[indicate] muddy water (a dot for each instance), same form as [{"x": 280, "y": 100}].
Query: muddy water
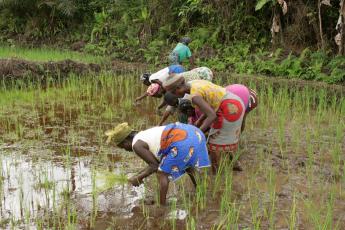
[
  {"x": 32, "y": 186},
  {"x": 55, "y": 165}
]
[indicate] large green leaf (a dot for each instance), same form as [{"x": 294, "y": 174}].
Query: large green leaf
[{"x": 261, "y": 3}]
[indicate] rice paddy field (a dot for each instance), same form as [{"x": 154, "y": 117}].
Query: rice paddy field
[
  {"x": 47, "y": 54},
  {"x": 57, "y": 172}
]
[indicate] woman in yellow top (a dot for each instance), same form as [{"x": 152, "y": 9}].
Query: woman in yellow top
[{"x": 223, "y": 113}]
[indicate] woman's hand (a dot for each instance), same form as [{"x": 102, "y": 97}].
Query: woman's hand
[{"x": 135, "y": 181}]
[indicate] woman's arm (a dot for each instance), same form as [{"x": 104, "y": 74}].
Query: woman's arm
[
  {"x": 162, "y": 104},
  {"x": 207, "y": 110},
  {"x": 138, "y": 179},
  {"x": 141, "y": 97},
  {"x": 164, "y": 117},
  {"x": 163, "y": 181},
  {"x": 142, "y": 150},
  {"x": 200, "y": 120}
]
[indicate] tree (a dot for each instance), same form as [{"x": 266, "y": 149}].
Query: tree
[
  {"x": 276, "y": 28},
  {"x": 340, "y": 37},
  {"x": 319, "y": 5}
]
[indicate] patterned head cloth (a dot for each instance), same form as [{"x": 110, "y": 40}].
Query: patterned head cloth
[
  {"x": 153, "y": 89},
  {"x": 119, "y": 133},
  {"x": 173, "y": 81}
]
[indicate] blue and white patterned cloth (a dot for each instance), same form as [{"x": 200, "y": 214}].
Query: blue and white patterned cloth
[{"x": 183, "y": 146}]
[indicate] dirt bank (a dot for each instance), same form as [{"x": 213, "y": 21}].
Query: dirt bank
[
  {"x": 23, "y": 69},
  {"x": 17, "y": 68}
]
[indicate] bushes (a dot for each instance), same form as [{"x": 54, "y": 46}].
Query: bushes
[
  {"x": 240, "y": 58},
  {"x": 226, "y": 34}
]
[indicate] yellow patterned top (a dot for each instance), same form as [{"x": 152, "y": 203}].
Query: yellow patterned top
[{"x": 211, "y": 93}]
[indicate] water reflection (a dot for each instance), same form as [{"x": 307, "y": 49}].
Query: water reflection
[{"x": 32, "y": 187}]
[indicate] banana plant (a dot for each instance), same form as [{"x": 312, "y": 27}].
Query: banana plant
[
  {"x": 276, "y": 21},
  {"x": 319, "y": 5}
]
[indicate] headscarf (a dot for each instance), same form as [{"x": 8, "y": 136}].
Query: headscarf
[
  {"x": 172, "y": 81},
  {"x": 153, "y": 89},
  {"x": 119, "y": 133},
  {"x": 163, "y": 74}
]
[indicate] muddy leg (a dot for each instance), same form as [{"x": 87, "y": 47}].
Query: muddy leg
[
  {"x": 191, "y": 173},
  {"x": 236, "y": 165},
  {"x": 243, "y": 122},
  {"x": 215, "y": 158},
  {"x": 163, "y": 186}
]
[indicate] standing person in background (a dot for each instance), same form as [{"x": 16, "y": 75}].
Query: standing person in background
[{"x": 182, "y": 52}]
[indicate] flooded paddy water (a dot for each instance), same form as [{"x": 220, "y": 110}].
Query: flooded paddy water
[{"x": 57, "y": 172}]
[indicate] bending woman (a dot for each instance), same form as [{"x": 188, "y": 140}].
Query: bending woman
[
  {"x": 170, "y": 151},
  {"x": 222, "y": 113}
]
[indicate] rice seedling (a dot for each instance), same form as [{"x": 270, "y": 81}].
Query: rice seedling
[
  {"x": 46, "y": 54},
  {"x": 107, "y": 180},
  {"x": 295, "y": 132}
]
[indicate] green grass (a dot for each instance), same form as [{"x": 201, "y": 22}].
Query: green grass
[{"x": 48, "y": 54}]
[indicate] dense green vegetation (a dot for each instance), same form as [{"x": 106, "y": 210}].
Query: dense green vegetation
[{"x": 227, "y": 35}]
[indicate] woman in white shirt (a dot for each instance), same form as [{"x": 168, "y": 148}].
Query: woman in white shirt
[{"x": 170, "y": 151}]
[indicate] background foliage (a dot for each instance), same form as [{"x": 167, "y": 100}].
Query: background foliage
[{"x": 227, "y": 34}]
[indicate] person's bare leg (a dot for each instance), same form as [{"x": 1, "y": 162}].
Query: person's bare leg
[
  {"x": 214, "y": 156},
  {"x": 243, "y": 122},
  {"x": 191, "y": 173},
  {"x": 163, "y": 186},
  {"x": 236, "y": 165}
]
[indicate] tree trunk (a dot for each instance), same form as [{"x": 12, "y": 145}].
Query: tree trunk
[
  {"x": 342, "y": 29},
  {"x": 341, "y": 48},
  {"x": 320, "y": 25},
  {"x": 275, "y": 30}
]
